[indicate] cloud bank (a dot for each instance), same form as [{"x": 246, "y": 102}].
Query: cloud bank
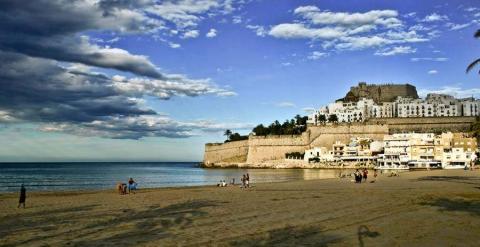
[{"x": 48, "y": 77}]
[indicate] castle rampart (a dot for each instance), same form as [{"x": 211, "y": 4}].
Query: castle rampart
[{"x": 261, "y": 149}]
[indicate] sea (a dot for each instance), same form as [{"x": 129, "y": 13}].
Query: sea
[{"x": 93, "y": 175}]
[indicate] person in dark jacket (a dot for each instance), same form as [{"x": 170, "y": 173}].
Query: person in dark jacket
[{"x": 23, "y": 196}]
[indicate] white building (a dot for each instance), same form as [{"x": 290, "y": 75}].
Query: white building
[{"x": 434, "y": 105}]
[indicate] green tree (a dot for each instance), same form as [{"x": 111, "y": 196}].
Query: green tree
[
  {"x": 476, "y": 62},
  {"x": 228, "y": 133},
  {"x": 260, "y": 130},
  {"x": 333, "y": 118},
  {"x": 322, "y": 118}
]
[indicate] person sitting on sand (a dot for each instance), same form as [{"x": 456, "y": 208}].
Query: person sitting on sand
[
  {"x": 23, "y": 196},
  {"x": 224, "y": 184}
]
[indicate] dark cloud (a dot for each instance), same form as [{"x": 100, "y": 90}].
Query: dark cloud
[
  {"x": 52, "y": 29},
  {"x": 46, "y": 78},
  {"x": 78, "y": 101}
]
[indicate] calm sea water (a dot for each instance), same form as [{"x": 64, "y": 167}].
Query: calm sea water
[{"x": 80, "y": 176}]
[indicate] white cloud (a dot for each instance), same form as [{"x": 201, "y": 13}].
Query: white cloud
[
  {"x": 308, "y": 109},
  {"x": 259, "y": 30},
  {"x": 411, "y": 14},
  {"x": 297, "y": 30},
  {"x": 350, "y": 30},
  {"x": 237, "y": 19},
  {"x": 357, "y": 43},
  {"x": 212, "y": 33},
  {"x": 285, "y": 104},
  {"x": 432, "y": 72},
  {"x": 395, "y": 50},
  {"x": 190, "y": 34},
  {"x": 434, "y": 17},
  {"x": 433, "y": 59},
  {"x": 287, "y": 64},
  {"x": 471, "y": 9},
  {"x": 452, "y": 90},
  {"x": 174, "y": 45},
  {"x": 453, "y": 26},
  {"x": 317, "y": 55},
  {"x": 382, "y": 17}
]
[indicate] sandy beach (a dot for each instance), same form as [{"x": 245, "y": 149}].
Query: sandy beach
[{"x": 434, "y": 208}]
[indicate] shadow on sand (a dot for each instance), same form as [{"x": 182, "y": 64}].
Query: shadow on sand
[
  {"x": 453, "y": 179},
  {"x": 83, "y": 228},
  {"x": 288, "y": 236},
  {"x": 364, "y": 232},
  {"x": 459, "y": 205}
]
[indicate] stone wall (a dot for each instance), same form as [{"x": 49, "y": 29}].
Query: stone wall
[
  {"x": 426, "y": 124},
  {"x": 327, "y": 135},
  {"x": 261, "y": 149},
  {"x": 226, "y": 152},
  {"x": 265, "y": 148}
]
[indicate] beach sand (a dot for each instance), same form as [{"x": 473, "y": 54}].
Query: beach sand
[{"x": 425, "y": 208}]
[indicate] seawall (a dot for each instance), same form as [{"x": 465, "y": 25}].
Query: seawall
[{"x": 260, "y": 150}]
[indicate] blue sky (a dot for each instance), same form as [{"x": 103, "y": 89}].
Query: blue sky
[{"x": 154, "y": 80}]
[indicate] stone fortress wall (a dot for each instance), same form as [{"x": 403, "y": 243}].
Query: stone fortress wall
[
  {"x": 234, "y": 152},
  {"x": 260, "y": 149},
  {"x": 380, "y": 93}
]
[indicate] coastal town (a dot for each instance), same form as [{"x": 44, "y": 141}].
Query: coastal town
[
  {"x": 400, "y": 151},
  {"x": 380, "y": 126},
  {"x": 404, "y": 151}
]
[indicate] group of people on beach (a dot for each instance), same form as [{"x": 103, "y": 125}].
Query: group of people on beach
[
  {"x": 245, "y": 182},
  {"x": 363, "y": 175},
  {"x": 130, "y": 186}
]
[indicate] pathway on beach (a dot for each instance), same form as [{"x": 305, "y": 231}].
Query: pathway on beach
[{"x": 436, "y": 208}]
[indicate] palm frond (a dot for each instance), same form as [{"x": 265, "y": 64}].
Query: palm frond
[
  {"x": 477, "y": 34},
  {"x": 473, "y": 64}
]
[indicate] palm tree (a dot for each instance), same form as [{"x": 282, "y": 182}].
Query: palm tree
[
  {"x": 476, "y": 62},
  {"x": 228, "y": 133}
]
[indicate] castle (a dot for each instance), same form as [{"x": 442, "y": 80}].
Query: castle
[{"x": 380, "y": 93}]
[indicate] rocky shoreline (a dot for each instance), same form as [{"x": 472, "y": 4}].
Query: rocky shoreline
[{"x": 287, "y": 164}]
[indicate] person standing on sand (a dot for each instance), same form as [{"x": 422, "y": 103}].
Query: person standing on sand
[
  {"x": 247, "y": 180},
  {"x": 23, "y": 197},
  {"x": 375, "y": 174},
  {"x": 365, "y": 174}
]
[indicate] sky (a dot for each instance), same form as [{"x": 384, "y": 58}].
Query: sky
[{"x": 145, "y": 80}]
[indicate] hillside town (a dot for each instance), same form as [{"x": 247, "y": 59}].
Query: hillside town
[
  {"x": 402, "y": 151},
  {"x": 364, "y": 106}
]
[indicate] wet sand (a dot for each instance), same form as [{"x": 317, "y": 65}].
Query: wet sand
[{"x": 434, "y": 208}]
